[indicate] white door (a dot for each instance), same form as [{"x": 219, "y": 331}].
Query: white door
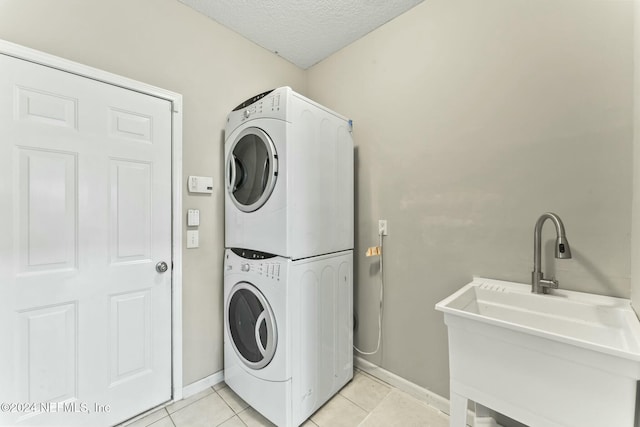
[{"x": 85, "y": 216}]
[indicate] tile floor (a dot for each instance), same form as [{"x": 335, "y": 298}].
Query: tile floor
[{"x": 365, "y": 401}]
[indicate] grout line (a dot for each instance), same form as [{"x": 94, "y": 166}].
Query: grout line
[
  {"x": 365, "y": 419},
  {"x": 235, "y": 414},
  {"x": 241, "y": 420},
  {"x": 309, "y": 420},
  {"x": 364, "y": 409},
  {"x": 358, "y": 406},
  {"x": 313, "y": 423},
  {"x": 425, "y": 395},
  {"x": 389, "y": 386},
  {"x": 145, "y": 414},
  {"x": 228, "y": 406},
  {"x": 186, "y": 406}
]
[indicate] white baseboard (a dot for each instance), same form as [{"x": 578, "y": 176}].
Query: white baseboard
[
  {"x": 421, "y": 393},
  {"x": 198, "y": 386},
  {"x": 187, "y": 391},
  {"x": 427, "y": 396}
]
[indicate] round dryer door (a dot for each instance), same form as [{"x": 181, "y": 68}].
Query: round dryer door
[
  {"x": 251, "y": 326},
  {"x": 252, "y": 169}
]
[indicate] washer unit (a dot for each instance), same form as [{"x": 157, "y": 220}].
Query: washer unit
[
  {"x": 288, "y": 331},
  {"x": 289, "y": 177}
]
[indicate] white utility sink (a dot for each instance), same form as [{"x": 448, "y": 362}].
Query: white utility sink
[{"x": 561, "y": 359}]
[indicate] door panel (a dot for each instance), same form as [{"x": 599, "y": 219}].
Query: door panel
[
  {"x": 85, "y": 184},
  {"x": 47, "y": 108},
  {"x": 130, "y": 211},
  {"x": 130, "y": 326},
  {"x": 48, "y": 352},
  {"x": 132, "y": 125},
  {"x": 46, "y": 186}
]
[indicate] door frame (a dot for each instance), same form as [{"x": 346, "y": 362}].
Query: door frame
[{"x": 48, "y": 60}]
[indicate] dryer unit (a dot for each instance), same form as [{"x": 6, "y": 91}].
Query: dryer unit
[
  {"x": 288, "y": 331},
  {"x": 289, "y": 177}
]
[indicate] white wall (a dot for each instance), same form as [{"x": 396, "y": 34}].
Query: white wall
[
  {"x": 472, "y": 118},
  {"x": 164, "y": 43}
]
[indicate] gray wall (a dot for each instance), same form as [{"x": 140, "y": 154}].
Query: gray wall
[
  {"x": 164, "y": 43},
  {"x": 470, "y": 120}
]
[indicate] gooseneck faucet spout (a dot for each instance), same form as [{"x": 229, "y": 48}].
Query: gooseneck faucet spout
[{"x": 539, "y": 284}]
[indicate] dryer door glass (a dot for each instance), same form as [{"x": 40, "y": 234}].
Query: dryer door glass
[
  {"x": 252, "y": 169},
  {"x": 251, "y": 326}
]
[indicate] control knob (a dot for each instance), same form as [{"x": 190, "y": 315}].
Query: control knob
[{"x": 245, "y": 267}]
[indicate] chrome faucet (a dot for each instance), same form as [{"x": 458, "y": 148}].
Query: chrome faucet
[{"x": 540, "y": 285}]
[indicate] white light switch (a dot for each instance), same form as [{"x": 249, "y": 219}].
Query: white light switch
[
  {"x": 193, "y": 217},
  {"x": 193, "y": 239}
]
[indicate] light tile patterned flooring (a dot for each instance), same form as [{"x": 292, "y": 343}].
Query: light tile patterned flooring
[{"x": 365, "y": 401}]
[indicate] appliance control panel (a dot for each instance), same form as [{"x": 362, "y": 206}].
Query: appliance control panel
[
  {"x": 270, "y": 269},
  {"x": 271, "y": 104},
  {"x": 251, "y": 254},
  {"x": 252, "y": 100},
  {"x": 255, "y": 262}
]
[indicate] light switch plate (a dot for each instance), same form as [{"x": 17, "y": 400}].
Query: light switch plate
[
  {"x": 193, "y": 239},
  {"x": 193, "y": 217}
]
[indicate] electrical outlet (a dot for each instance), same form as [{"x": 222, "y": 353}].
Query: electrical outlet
[{"x": 382, "y": 227}]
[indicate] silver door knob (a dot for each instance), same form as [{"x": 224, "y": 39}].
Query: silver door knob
[{"x": 161, "y": 267}]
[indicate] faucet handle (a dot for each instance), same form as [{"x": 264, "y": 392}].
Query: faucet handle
[{"x": 550, "y": 284}]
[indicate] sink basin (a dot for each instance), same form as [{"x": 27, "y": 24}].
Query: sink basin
[
  {"x": 601, "y": 323},
  {"x": 561, "y": 359}
]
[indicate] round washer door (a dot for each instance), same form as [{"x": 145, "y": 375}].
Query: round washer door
[
  {"x": 251, "y": 326},
  {"x": 252, "y": 169}
]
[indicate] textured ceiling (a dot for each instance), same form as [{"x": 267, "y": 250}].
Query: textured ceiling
[{"x": 302, "y": 31}]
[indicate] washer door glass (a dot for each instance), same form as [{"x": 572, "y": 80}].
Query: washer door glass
[
  {"x": 252, "y": 169},
  {"x": 251, "y": 326}
]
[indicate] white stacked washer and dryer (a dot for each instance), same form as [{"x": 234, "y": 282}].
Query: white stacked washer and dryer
[{"x": 288, "y": 274}]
